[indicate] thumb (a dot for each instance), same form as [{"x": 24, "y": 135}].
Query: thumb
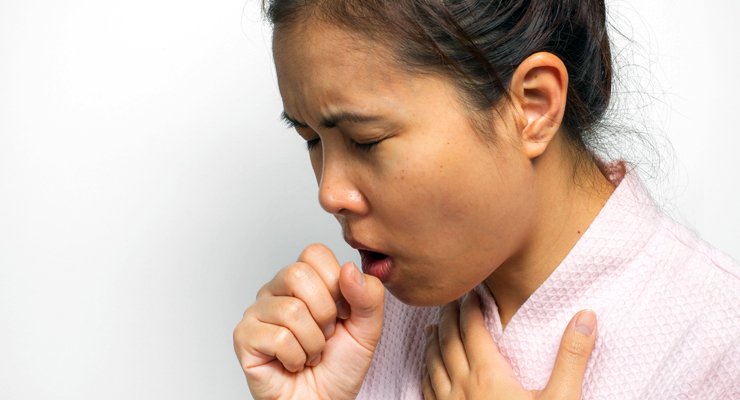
[
  {"x": 576, "y": 346},
  {"x": 364, "y": 294}
]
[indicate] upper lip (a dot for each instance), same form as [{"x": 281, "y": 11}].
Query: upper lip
[{"x": 358, "y": 245}]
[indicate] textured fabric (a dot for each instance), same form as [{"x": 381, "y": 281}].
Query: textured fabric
[{"x": 668, "y": 307}]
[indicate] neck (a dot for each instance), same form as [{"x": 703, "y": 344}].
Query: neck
[{"x": 566, "y": 203}]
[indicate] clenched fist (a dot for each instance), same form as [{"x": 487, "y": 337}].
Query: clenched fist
[{"x": 312, "y": 330}]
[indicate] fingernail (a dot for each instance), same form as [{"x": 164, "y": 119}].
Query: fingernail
[
  {"x": 314, "y": 361},
  {"x": 359, "y": 276},
  {"x": 343, "y": 309},
  {"x": 329, "y": 330},
  {"x": 586, "y": 322},
  {"x": 428, "y": 330}
]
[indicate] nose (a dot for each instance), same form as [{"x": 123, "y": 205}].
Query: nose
[{"x": 339, "y": 193}]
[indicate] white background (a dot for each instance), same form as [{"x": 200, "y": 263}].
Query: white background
[{"x": 148, "y": 188}]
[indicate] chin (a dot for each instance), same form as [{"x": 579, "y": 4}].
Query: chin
[{"x": 424, "y": 296}]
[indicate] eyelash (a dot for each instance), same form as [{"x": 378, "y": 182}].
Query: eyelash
[
  {"x": 366, "y": 147},
  {"x": 310, "y": 144}
]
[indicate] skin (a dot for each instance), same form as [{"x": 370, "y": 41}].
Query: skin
[
  {"x": 463, "y": 362},
  {"x": 434, "y": 188},
  {"x": 451, "y": 206}
]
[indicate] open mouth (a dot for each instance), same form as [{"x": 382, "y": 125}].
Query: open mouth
[
  {"x": 372, "y": 255},
  {"x": 376, "y": 264}
]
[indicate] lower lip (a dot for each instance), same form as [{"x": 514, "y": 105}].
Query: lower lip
[{"x": 379, "y": 268}]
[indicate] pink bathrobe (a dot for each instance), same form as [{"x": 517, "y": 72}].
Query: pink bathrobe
[{"x": 668, "y": 306}]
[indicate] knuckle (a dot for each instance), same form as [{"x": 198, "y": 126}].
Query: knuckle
[
  {"x": 294, "y": 309},
  {"x": 263, "y": 290},
  {"x": 252, "y": 374},
  {"x": 288, "y": 350},
  {"x": 328, "y": 313},
  {"x": 248, "y": 312},
  {"x": 283, "y": 338},
  {"x": 313, "y": 251},
  {"x": 446, "y": 338},
  {"x": 297, "y": 273},
  {"x": 240, "y": 334},
  {"x": 576, "y": 351},
  {"x": 252, "y": 314},
  {"x": 236, "y": 334},
  {"x": 314, "y": 351},
  {"x": 481, "y": 378}
]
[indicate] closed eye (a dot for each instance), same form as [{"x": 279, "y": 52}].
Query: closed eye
[
  {"x": 311, "y": 144},
  {"x": 366, "y": 147}
]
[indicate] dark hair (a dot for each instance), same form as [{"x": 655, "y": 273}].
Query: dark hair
[{"x": 481, "y": 43}]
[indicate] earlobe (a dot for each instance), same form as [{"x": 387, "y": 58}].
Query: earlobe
[{"x": 539, "y": 87}]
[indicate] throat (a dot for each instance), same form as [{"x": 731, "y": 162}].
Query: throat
[
  {"x": 510, "y": 295},
  {"x": 563, "y": 219}
]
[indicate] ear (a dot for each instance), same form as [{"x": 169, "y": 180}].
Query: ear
[{"x": 539, "y": 89}]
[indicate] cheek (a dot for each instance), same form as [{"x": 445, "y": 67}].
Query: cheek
[
  {"x": 428, "y": 213},
  {"x": 442, "y": 189},
  {"x": 459, "y": 203}
]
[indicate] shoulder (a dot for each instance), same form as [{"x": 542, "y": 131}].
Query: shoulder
[
  {"x": 685, "y": 277},
  {"x": 682, "y": 249},
  {"x": 673, "y": 321},
  {"x": 668, "y": 302}
]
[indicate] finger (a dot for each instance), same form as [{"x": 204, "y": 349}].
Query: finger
[
  {"x": 566, "y": 381},
  {"x": 364, "y": 294},
  {"x": 426, "y": 387},
  {"x": 450, "y": 342},
  {"x": 258, "y": 344},
  {"x": 327, "y": 267},
  {"x": 322, "y": 259},
  {"x": 482, "y": 352},
  {"x": 301, "y": 280},
  {"x": 293, "y": 314},
  {"x": 438, "y": 377}
]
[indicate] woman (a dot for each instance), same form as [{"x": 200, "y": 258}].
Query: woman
[{"x": 452, "y": 140}]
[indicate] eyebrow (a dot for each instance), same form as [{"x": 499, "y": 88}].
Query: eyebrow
[{"x": 332, "y": 120}]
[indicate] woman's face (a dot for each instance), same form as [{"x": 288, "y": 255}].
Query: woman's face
[{"x": 401, "y": 166}]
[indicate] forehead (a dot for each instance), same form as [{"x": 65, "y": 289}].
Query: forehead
[{"x": 322, "y": 65}]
